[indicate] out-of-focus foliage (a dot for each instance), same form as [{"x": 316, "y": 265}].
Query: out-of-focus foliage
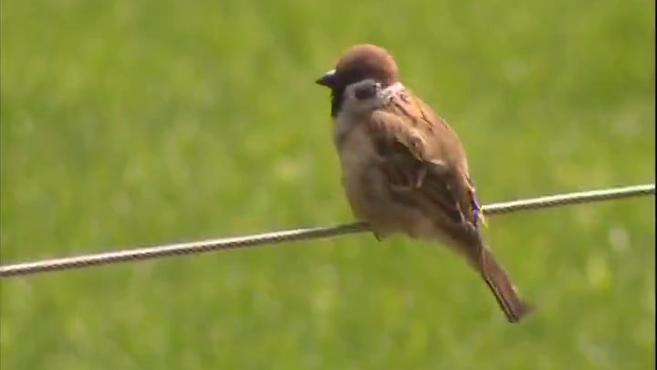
[{"x": 128, "y": 123}]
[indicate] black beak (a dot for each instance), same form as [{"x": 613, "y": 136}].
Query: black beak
[{"x": 327, "y": 80}]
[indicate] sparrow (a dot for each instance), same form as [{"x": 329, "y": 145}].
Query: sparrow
[{"x": 405, "y": 169}]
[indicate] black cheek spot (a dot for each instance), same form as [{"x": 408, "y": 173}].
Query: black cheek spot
[{"x": 366, "y": 92}]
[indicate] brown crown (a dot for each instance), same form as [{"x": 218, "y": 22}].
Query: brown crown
[{"x": 366, "y": 61}]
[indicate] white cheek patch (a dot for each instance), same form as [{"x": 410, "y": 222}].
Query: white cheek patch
[
  {"x": 354, "y": 106},
  {"x": 351, "y": 89},
  {"x": 392, "y": 90}
]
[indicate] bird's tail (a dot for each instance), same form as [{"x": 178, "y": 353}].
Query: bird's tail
[{"x": 499, "y": 283}]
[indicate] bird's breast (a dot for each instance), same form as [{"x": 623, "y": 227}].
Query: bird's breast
[
  {"x": 366, "y": 184},
  {"x": 355, "y": 146},
  {"x": 364, "y": 181}
]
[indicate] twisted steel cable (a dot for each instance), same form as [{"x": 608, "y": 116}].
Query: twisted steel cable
[{"x": 279, "y": 237}]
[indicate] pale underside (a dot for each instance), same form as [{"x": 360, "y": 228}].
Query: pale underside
[
  {"x": 405, "y": 171},
  {"x": 393, "y": 202}
]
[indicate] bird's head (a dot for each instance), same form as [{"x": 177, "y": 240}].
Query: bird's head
[{"x": 362, "y": 70}]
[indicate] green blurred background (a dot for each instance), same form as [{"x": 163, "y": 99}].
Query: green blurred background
[{"x": 132, "y": 123}]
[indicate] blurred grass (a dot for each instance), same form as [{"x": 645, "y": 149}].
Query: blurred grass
[{"x": 135, "y": 123}]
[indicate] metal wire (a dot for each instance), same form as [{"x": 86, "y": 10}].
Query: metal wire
[{"x": 279, "y": 237}]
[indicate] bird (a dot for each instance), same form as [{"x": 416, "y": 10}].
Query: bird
[{"x": 405, "y": 170}]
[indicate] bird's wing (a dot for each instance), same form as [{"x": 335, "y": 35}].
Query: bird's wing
[
  {"x": 426, "y": 167},
  {"x": 424, "y": 160}
]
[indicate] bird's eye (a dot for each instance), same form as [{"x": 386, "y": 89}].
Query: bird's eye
[{"x": 365, "y": 92}]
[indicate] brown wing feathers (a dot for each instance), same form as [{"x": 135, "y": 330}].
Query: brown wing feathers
[{"x": 440, "y": 186}]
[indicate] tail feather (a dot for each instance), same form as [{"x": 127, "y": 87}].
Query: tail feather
[
  {"x": 470, "y": 244},
  {"x": 498, "y": 282}
]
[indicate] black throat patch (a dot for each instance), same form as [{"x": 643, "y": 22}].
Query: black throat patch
[{"x": 336, "y": 101}]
